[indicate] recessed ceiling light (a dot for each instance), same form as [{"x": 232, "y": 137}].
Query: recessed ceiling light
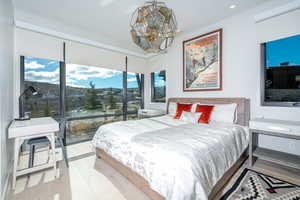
[
  {"x": 232, "y": 6},
  {"x": 104, "y": 3}
]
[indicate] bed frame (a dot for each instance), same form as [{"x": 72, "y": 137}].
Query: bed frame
[{"x": 243, "y": 116}]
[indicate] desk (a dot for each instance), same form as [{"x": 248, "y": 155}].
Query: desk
[
  {"x": 20, "y": 131},
  {"x": 276, "y": 128}
]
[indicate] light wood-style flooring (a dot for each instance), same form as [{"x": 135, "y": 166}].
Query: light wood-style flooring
[{"x": 89, "y": 178}]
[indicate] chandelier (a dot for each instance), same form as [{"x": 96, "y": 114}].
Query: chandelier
[{"x": 153, "y": 27}]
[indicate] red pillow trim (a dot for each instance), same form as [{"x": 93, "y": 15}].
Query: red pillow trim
[
  {"x": 182, "y": 107},
  {"x": 206, "y": 112}
]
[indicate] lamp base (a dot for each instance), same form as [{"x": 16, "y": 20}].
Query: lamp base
[{"x": 22, "y": 118}]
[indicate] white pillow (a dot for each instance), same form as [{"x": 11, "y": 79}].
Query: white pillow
[
  {"x": 224, "y": 113},
  {"x": 172, "y": 108},
  {"x": 191, "y": 117}
]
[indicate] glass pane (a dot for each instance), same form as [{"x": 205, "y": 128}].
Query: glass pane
[
  {"x": 133, "y": 95},
  {"x": 159, "y": 94},
  {"x": 91, "y": 91},
  {"x": 283, "y": 52},
  {"x": 43, "y": 75},
  {"x": 84, "y": 129},
  {"x": 282, "y": 70}
]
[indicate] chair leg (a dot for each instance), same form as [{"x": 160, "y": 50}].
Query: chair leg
[
  {"x": 31, "y": 156},
  {"x": 64, "y": 151}
]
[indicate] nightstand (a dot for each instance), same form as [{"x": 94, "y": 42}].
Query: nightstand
[
  {"x": 277, "y": 128},
  {"x": 147, "y": 113}
]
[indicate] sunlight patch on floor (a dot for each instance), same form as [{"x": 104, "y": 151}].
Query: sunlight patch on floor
[{"x": 87, "y": 178}]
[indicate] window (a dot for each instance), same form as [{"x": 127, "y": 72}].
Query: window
[
  {"x": 93, "y": 96},
  {"x": 158, "y": 86},
  {"x": 281, "y": 72},
  {"x": 43, "y": 75}
]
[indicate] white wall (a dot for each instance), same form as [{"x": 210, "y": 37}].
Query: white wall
[
  {"x": 241, "y": 68},
  {"x": 6, "y": 87}
]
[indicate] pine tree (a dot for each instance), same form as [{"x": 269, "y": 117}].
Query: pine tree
[
  {"x": 68, "y": 99},
  {"x": 47, "y": 109},
  {"x": 91, "y": 98},
  {"x": 31, "y": 108},
  {"x": 111, "y": 100}
]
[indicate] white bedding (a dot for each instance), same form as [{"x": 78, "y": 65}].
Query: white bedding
[{"x": 180, "y": 160}]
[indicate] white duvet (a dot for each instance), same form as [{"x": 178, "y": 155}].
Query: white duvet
[{"x": 180, "y": 160}]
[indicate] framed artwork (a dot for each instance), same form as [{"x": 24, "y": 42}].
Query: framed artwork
[{"x": 202, "y": 62}]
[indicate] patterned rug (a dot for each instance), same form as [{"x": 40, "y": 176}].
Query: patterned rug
[{"x": 252, "y": 185}]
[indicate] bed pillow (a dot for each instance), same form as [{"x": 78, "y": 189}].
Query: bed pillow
[
  {"x": 191, "y": 117},
  {"x": 182, "y": 107},
  {"x": 224, "y": 113},
  {"x": 206, "y": 111}
]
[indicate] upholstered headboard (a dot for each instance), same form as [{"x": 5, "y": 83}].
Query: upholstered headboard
[{"x": 243, "y": 106}]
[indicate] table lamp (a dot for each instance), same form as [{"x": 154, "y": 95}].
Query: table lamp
[{"x": 21, "y": 103}]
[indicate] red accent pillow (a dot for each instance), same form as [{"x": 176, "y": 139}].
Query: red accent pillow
[
  {"x": 182, "y": 107},
  {"x": 206, "y": 112}
]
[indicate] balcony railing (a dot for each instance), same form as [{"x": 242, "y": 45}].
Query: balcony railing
[{"x": 83, "y": 128}]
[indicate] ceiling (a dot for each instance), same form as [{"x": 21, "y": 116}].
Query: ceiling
[{"x": 107, "y": 21}]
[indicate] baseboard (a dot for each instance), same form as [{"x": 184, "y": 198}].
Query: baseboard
[{"x": 7, "y": 184}]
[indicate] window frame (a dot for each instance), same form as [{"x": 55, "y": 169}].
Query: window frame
[
  {"x": 153, "y": 98},
  {"x": 263, "y": 74},
  {"x": 62, "y": 96}
]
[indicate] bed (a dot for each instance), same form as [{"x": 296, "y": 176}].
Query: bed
[{"x": 171, "y": 159}]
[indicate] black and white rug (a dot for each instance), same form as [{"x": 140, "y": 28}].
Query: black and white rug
[{"x": 252, "y": 185}]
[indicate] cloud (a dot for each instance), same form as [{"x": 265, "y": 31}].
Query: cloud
[
  {"x": 52, "y": 62},
  {"x": 43, "y": 76},
  {"x": 78, "y": 72},
  {"x": 74, "y": 74},
  {"x": 34, "y": 65},
  {"x": 159, "y": 83},
  {"x": 131, "y": 80},
  {"x": 69, "y": 80},
  {"x": 76, "y": 85}
]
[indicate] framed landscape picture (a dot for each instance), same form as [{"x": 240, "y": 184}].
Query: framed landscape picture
[{"x": 202, "y": 62}]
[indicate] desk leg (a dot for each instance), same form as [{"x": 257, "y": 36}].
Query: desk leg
[
  {"x": 52, "y": 141},
  {"x": 16, "y": 158},
  {"x": 250, "y": 149}
]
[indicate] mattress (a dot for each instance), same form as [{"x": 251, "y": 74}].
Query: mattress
[{"x": 180, "y": 160}]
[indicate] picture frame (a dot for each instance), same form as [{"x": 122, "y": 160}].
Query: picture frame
[{"x": 202, "y": 62}]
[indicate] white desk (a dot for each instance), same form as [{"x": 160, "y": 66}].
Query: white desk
[
  {"x": 28, "y": 129},
  {"x": 277, "y": 128}
]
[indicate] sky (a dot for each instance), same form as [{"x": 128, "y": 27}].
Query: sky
[
  {"x": 43, "y": 70},
  {"x": 283, "y": 50}
]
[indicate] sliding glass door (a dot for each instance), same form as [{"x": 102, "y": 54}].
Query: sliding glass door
[{"x": 93, "y": 96}]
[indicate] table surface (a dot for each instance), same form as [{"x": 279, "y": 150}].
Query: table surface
[
  {"x": 32, "y": 126},
  {"x": 276, "y": 121},
  {"x": 276, "y": 126}
]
